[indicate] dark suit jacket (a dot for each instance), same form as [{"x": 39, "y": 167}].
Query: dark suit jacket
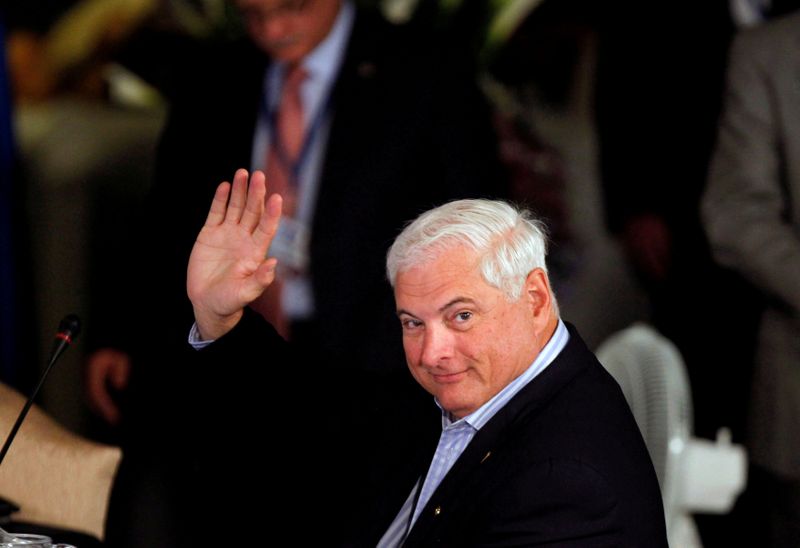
[{"x": 562, "y": 463}]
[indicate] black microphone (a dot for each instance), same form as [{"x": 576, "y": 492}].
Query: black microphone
[{"x": 68, "y": 330}]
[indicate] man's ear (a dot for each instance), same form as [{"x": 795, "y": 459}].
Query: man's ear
[{"x": 537, "y": 291}]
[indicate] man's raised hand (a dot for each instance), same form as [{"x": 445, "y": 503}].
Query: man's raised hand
[{"x": 228, "y": 268}]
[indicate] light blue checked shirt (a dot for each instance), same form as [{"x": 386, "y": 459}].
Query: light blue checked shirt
[{"x": 457, "y": 435}]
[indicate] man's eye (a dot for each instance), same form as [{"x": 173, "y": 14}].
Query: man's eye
[
  {"x": 410, "y": 323},
  {"x": 463, "y": 316}
]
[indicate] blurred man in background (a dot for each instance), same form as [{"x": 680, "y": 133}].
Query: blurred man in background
[{"x": 751, "y": 211}]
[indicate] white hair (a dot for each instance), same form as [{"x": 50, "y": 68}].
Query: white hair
[{"x": 510, "y": 242}]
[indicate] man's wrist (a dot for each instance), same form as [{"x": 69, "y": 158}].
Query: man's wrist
[{"x": 211, "y": 327}]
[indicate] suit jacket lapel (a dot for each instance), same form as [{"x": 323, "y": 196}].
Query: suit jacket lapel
[{"x": 351, "y": 105}]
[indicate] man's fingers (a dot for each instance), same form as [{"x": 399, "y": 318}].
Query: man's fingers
[
  {"x": 238, "y": 197},
  {"x": 255, "y": 201},
  {"x": 268, "y": 224},
  {"x": 219, "y": 205},
  {"x": 108, "y": 409},
  {"x": 120, "y": 373},
  {"x": 100, "y": 366},
  {"x": 265, "y": 274}
]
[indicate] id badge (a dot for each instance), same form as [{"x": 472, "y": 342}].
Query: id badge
[{"x": 290, "y": 245}]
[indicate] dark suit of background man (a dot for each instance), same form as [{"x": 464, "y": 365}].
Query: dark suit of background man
[
  {"x": 537, "y": 445},
  {"x": 394, "y": 134}
]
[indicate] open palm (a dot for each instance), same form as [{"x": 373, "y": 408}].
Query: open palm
[{"x": 228, "y": 268}]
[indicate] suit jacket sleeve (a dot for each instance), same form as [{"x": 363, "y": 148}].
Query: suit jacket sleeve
[
  {"x": 254, "y": 359},
  {"x": 745, "y": 207}
]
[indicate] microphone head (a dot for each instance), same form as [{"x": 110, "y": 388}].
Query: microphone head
[{"x": 69, "y": 327}]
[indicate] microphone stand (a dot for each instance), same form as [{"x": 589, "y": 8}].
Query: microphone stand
[{"x": 68, "y": 330}]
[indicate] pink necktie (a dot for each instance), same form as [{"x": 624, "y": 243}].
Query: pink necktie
[
  {"x": 287, "y": 140},
  {"x": 286, "y": 143}
]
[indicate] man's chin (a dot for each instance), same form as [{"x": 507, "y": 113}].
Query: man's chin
[
  {"x": 456, "y": 406},
  {"x": 286, "y": 53}
]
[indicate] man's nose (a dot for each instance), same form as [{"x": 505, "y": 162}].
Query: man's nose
[{"x": 437, "y": 346}]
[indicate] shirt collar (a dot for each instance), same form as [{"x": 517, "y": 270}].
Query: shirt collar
[{"x": 324, "y": 61}]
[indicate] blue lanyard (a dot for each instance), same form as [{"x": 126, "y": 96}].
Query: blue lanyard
[{"x": 294, "y": 168}]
